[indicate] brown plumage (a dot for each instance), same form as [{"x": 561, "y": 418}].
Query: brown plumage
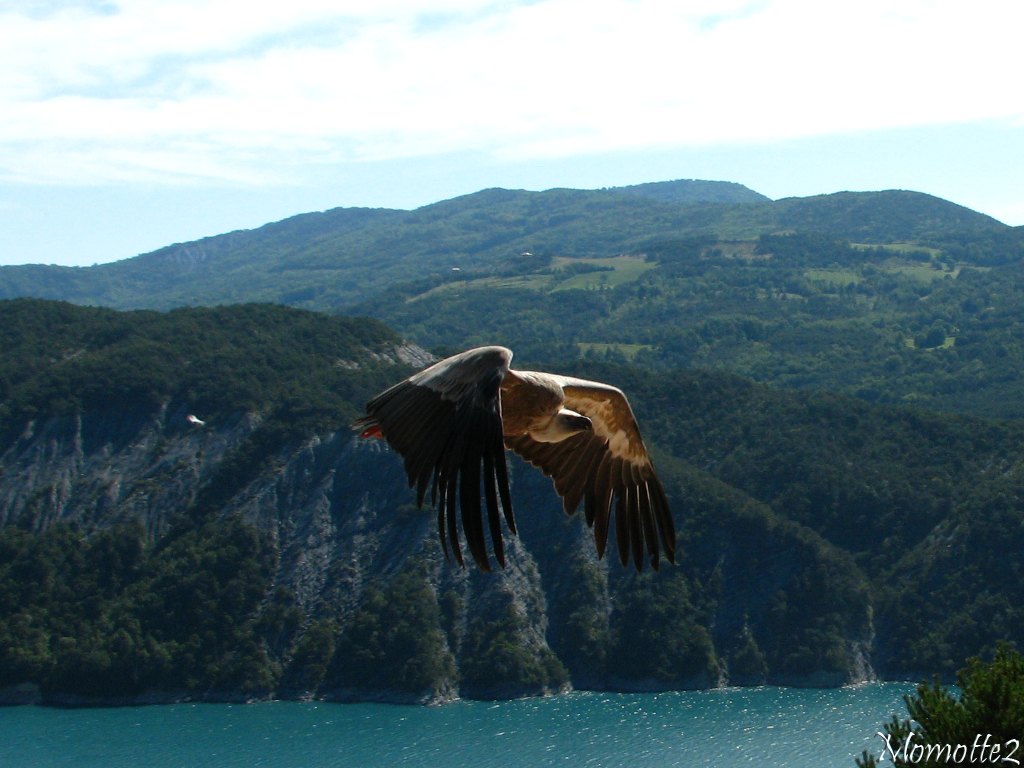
[{"x": 451, "y": 423}]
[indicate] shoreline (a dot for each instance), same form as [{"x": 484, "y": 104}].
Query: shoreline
[{"x": 29, "y": 694}]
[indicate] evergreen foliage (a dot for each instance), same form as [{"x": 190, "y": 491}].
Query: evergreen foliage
[
  {"x": 338, "y": 258},
  {"x": 905, "y": 323},
  {"x": 658, "y": 638},
  {"x": 110, "y": 612},
  {"x": 306, "y": 369},
  {"x": 782, "y": 604},
  {"x": 800, "y": 515},
  {"x": 694, "y": 191},
  {"x": 985, "y": 724},
  {"x": 583, "y": 639},
  {"x": 312, "y": 657},
  {"x": 113, "y": 616},
  {"x": 496, "y": 663},
  {"x": 395, "y": 640}
]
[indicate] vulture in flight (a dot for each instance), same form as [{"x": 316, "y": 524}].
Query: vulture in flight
[{"x": 452, "y": 422}]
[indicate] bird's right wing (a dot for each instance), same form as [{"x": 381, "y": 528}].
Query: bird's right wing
[
  {"x": 606, "y": 468},
  {"x": 445, "y": 421}
]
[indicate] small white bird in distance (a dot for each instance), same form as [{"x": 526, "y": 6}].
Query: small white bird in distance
[
  {"x": 194, "y": 420},
  {"x": 458, "y": 416}
]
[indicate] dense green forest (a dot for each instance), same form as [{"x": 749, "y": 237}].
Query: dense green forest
[
  {"x": 110, "y": 607},
  {"x": 114, "y": 615},
  {"x": 890, "y": 296},
  {"x": 935, "y": 324},
  {"x": 817, "y": 532},
  {"x": 690, "y": 191},
  {"x": 830, "y": 387},
  {"x": 928, "y": 505},
  {"x": 333, "y": 260},
  {"x": 300, "y": 371}
]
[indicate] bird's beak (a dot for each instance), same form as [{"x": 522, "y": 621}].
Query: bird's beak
[
  {"x": 575, "y": 422},
  {"x": 583, "y": 424}
]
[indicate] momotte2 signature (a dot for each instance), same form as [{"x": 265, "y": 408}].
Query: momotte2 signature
[{"x": 982, "y": 750}]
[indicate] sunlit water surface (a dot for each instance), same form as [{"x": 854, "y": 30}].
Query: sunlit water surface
[{"x": 722, "y": 728}]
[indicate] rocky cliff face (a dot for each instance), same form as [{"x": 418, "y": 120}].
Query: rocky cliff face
[
  {"x": 377, "y": 613},
  {"x": 97, "y": 468}
]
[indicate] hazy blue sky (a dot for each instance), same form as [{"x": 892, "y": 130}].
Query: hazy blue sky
[{"x": 126, "y": 126}]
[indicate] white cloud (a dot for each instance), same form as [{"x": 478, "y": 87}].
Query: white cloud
[{"x": 235, "y": 90}]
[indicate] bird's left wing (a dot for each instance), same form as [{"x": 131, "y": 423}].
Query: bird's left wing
[
  {"x": 609, "y": 464},
  {"x": 445, "y": 421}
]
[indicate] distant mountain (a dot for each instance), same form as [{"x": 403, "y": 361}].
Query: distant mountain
[
  {"x": 689, "y": 191},
  {"x": 878, "y": 217},
  {"x": 338, "y": 258}
]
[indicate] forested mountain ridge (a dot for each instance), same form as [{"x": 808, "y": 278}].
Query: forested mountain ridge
[
  {"x": 272, "y": 552},
  {"x": 334, "y": 259},
  {"x": 889, "y": 296},
  {"x": 936, "y": 323},
  {"x": 690, "y": 191}
]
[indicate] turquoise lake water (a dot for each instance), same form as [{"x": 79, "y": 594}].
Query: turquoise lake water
[{"x": 797, "y": 728}]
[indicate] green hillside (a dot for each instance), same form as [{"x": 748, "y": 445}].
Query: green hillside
[
  {"x": 690, "y": 191},
  {"x": 889, "y": 296},
  {"x": 935, "y": 323},
  {"x": 335, "y": 259},
  {"x": 878, "y": 217},
  {"x": 282, "y": 363},
  {"x": 814, "y": 529},
  {"x": 830, "y": 386}
]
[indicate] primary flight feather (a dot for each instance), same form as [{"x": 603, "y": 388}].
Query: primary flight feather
[{"x": 452, "y": 422}]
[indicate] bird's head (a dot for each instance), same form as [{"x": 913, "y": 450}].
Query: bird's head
[{"x": 562, "y": 425}]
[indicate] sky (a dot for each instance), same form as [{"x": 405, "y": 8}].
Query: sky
[{"x": 126, "y": 126}]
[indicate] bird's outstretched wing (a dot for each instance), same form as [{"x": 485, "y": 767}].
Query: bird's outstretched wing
[
  {"x": 608, "y": 464},
  {"x": 445, "y": 421}
]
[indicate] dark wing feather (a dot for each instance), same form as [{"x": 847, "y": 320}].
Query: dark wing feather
[
  {"x": 445, "y": 422},
  {"x": 608, "y": 466}
]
